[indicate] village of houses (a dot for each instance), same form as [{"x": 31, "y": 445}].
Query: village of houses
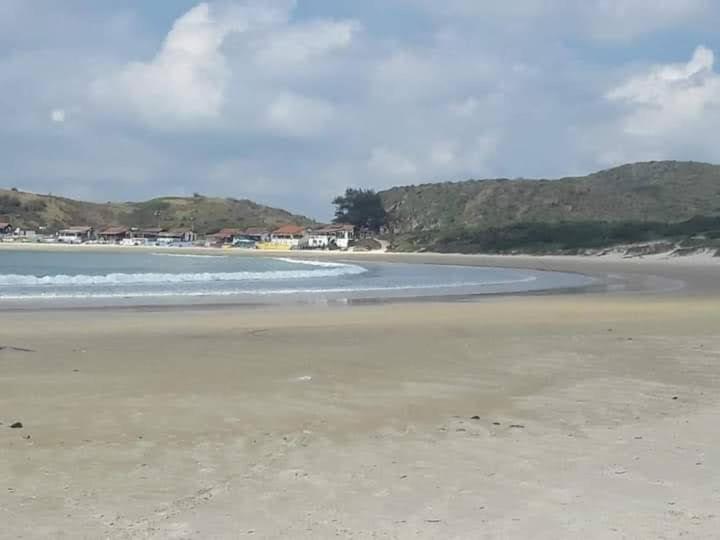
[{"x": 286, "y": 237}]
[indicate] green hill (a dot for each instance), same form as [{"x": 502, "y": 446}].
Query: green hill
[
  {"x": 668, "y": 192},
  {"x": 205, "y": 214}
]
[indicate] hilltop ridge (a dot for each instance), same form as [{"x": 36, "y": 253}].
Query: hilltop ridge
[
  {"x": 204, "y": 214},
  {"x": 667, "y": 191},
  {"x": 633, "y": 202}
]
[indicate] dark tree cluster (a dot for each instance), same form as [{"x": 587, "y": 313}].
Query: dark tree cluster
[
  {"x": 362, "y": 208},
  {"x": 570, "y": 236}
]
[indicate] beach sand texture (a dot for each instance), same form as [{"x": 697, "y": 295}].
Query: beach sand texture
[{"x": 563, "y": 416}]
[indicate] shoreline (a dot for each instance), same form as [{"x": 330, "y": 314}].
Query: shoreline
[
  {"x": 664, "y": 258},
  {"x": 693, "y": 276}
]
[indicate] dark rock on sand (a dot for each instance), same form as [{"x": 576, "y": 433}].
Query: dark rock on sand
[
  {"x": 16, "y": 425},
  {"x": 14, "y": 349}
]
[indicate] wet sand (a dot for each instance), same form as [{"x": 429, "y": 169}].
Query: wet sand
[{"x": 563, "y": 416}]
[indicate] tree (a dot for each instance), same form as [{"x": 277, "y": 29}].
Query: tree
[{"x": 362, "y": 208}]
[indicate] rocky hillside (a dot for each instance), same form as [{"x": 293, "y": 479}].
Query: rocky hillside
[
  {"x": 206, "y": 214},
  {"x": 665, "y": 191}
]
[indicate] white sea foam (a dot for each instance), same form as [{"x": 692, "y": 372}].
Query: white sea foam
[
  {"x": 189, "y": 256},
  {"x": 264, "y": 292},
  {"x": 325, "y": 270}
]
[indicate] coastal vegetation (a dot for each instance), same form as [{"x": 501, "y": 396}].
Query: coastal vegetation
[
  {"x": 641, "y": 202},
  {"x": 362, "y": 208},
  {"x": 656, "y": 191},
  {"x": 203, "y": 214},
  {"x": 568, "y": 237}
]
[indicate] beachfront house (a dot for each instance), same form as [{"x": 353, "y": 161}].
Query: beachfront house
[
  {"x": 75, "y": 235},
  {"x": 250, "y": 238},
  {"x": 176, "y": 236},
  {"x": 329, "y": 237},
  {"x": 224, "y": 237},
  {"x": 5, "y": 228},
  {"x": 114, "y": 235},
  {"x": 288, "y": 236},
  {"x": 148, "y": 235},
  {"x": 256, "y": 234}
]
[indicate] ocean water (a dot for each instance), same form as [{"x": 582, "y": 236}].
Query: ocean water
[{"x": 100, "y": 278}]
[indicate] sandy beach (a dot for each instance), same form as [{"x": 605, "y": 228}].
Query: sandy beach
[{"x": 532, "y": 416}]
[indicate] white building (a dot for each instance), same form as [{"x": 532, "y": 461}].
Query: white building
[
  {"x": 176, "y": 236},
  {"x": 75, "y": 235},
  {"x": 288, "y": 235},
  {"x": 329, "y": 237}
]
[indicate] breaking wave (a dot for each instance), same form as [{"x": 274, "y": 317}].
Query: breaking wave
[
  {"x": 323, "y": 270},
  {"x": 268, "y": 292}
]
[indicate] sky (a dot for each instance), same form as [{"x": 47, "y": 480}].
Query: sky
[{"x": 289, "y": 102}]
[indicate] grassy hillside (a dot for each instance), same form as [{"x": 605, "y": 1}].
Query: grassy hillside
[
  {"x": 554, "y": 215},
  {"x": 657, "y": 191},
  {"x": 206, "y": 214}
]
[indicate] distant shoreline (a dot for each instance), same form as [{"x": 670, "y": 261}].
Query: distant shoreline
[
  {"x": 694, "y": 275},
  {"x": 689, "y": 260}
]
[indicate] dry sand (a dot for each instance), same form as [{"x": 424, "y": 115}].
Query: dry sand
[{"x": 596, "y": 416}]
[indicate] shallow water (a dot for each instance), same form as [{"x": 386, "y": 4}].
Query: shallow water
[{"x": 138, "y": 278}]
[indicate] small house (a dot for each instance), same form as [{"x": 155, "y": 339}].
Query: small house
[
  {"x": 149, "y": 235},
  {"x": 176, "y": 236},
  {"x": 75, "y": 235},
  {"x": 287, "y": 235},
  {"x": 224, "y": 237},
  {"x": 330, "y": 237},
  {"x": 256, "y": 234},
  {"x": 114, "y": 235}
]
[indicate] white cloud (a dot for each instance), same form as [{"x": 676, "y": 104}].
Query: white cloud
[
  {"x": 413, "y": 76},
  {"x": 428, "y": 160},
  {"x": 443, "y": 153},
  {"x": 622, "y": 19},
  {"x": 673, "y": 97},
  {"x": 600, "y": 19},
  {"x": 188, "y": 78},
  {"x": 57, "y": 115},
  {"x": 298, "y": 116},
  {"x": 465, "y": 108},
  {"x": 385, "y": 162},
  {"x": 292, "y": 47}
]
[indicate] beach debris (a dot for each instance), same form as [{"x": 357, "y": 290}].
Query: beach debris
[
  {"x": 475, "y": 418},
  {"x": 675, "y": 398},
  {"x": 517, "y": 426},
  {"x": 16, "y": 425},
  {"x": 433, "y": 521},
  {"x": 304, "y": 378},
  {"x": 27, "y": 437},
  {"x": 497, "y": 424},
  {"x": 14, "y": 349}
]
